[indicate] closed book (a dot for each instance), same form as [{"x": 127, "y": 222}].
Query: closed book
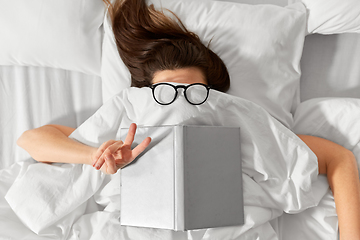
[{"x": 188, "y": 178}]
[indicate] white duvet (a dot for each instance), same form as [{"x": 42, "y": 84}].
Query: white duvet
[{"x": 65, "y": 201}]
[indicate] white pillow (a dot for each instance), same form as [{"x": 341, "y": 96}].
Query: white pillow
[
  {"x": 63, "y": 34},
  {"x": 332, "y": 16},
  {"x": 336, "y": 119},
  {"x": 115, "y": 75},
  {"x": 260, "y": 44}
]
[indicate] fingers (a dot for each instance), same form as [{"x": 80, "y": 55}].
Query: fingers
[
  {"x": 110, "y": 165},
  {"x": 133, "y": 153},
  {"x": 107, "y": 154},
  {"x": 131, "y": 135},
  {"x": 113, "y": 155},
  {"x": 101, "y": 150},
  {"x": 141, "y": 147},
  {"x": 118, "y": 155}
]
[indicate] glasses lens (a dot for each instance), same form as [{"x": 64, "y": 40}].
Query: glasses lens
[
  {"x": 164, "y": 93},
  {"x": 197, "y": 94}
]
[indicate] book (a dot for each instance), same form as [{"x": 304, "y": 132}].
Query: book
[{"x": 188, "y": 178}]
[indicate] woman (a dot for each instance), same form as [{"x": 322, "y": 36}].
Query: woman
[{"x": 157, "y": 49}]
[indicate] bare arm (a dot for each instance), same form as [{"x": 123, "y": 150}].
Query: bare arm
[
  {"x": 339, "y": 164},
  {"x": 50, "y": 143}
]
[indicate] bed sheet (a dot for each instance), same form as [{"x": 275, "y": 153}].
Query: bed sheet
[
  {"x": 277, "y": 177},
  {"x": 27, "y": 87},
  {"x": 34, "y": 96}
]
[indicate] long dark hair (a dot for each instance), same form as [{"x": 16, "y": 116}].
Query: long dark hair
[{"x": 149, "y": 41}]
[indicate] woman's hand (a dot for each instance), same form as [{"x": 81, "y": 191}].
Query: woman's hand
[{"x": 112, "y": 155}]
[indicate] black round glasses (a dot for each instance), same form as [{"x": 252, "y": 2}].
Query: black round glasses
[{"x": 166, "y": 93}]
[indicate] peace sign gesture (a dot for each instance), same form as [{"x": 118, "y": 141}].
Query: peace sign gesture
[{"x": 112, "y": 154}]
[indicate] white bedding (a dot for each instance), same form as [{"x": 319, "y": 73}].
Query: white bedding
[
  {"x": 33, "y": 96},
  {"x": 278, "y": 172},
  {"x": 32, "y": 84},
  {"x": 330, "y": 66},
  {"x": 336, "y": 119},
  {"x": 29, "y": 85}
]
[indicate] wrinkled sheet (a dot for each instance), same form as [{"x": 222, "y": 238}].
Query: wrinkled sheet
[
  {"x": 31, "y": 97},
  {"x": 336, "y": 119},
  {"x": 62, "y": 200},
  {"x": 34, "y": 96}
]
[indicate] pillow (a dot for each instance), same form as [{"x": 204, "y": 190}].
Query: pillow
[
  {"x": 114, "y": 74},
  {"x": 330, "y": 66},
  {"x": 336, "y": 119},
  {"x": 332, "y": 16},
  {"x": 260, "y": 44},
  {"x": 63, "y": 34}
]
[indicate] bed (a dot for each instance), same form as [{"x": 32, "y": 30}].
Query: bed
[{"x": 298, "y": 61}]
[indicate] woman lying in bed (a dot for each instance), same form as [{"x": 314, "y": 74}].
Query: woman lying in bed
[{"x": 157, "y": 49}]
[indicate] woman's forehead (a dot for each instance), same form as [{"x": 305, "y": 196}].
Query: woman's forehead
[{"x": 184, "y": 75}]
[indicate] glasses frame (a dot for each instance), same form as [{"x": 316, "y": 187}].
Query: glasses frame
[{"x": 185, "y": 87}]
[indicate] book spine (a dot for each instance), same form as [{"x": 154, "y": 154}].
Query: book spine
[{"x": 179, "y": 178}]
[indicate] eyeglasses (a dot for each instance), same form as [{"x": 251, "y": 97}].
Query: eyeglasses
[{"x": 166, "y": 93}]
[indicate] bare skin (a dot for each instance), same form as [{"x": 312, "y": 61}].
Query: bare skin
[
  {"x": 339, "y": 164},
  {"x": 185, "y": 75},
  {"x": 50, "y": 143}
]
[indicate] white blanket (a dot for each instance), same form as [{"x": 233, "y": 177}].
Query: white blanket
[{"x": 76, "y": 202}]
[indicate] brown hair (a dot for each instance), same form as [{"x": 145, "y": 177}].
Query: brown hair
[{"x": 149, "y": 41}]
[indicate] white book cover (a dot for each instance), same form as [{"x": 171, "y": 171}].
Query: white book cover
[{"x": 188, "y": 178}]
